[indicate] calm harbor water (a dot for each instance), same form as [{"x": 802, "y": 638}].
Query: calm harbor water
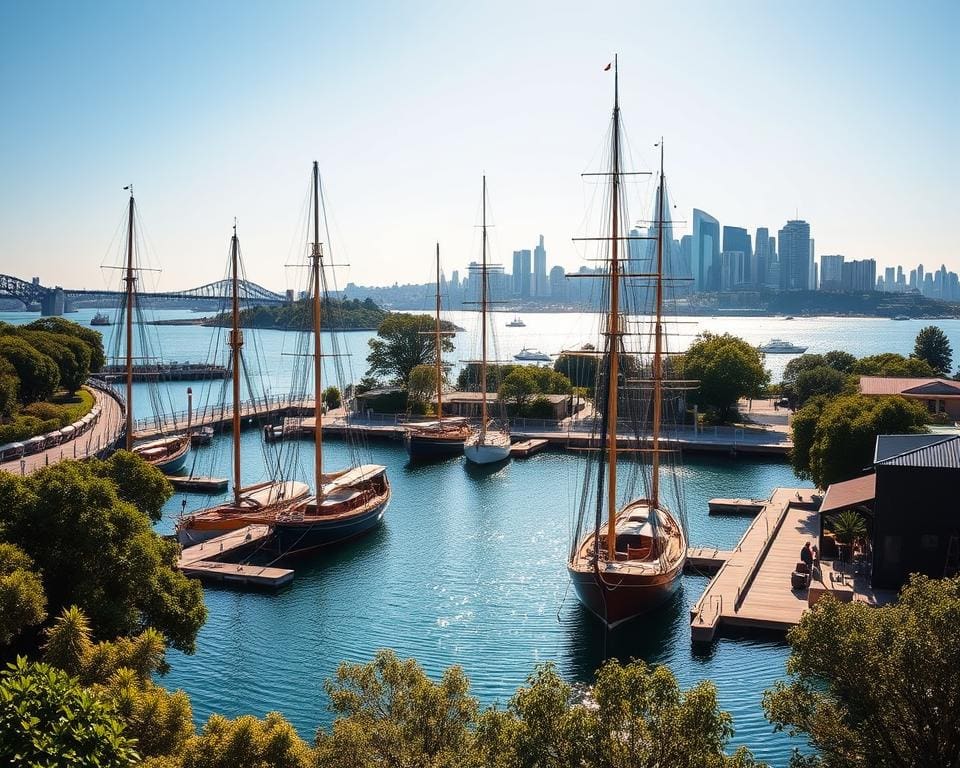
[{"x": 468, "y": 568}]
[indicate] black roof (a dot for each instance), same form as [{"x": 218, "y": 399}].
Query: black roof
[{"x": 933, "y": 451}]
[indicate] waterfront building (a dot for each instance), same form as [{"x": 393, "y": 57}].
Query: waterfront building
[
  {"x": 938, "y": 395},
  {"x": 686, "y": 254},
  {"x": 831, "y": 272},
  {"x": 909, "y": 504},
  {"x": 737, "y": 239},
  {"x": 793, "y": 246},
  {"x": 859, "y": 275},
  {"x": 540, "y": 283},
  {"x": 705, "y": 251}
]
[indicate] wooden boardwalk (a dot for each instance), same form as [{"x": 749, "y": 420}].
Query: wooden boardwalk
[
  {"x": 222, "y": 415},
  {"x": 752, "y": 588},
  {"x": 706, "y": 558},
  {"x": 202, "y": 561},
  {"x": 527, "y": 448}
]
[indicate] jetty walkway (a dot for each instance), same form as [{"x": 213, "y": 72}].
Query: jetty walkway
[
  {"x": 752, "y": 588},
  {"x": 98, "y": 440}
]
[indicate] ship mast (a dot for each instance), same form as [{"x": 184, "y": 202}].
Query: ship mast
[
  {"x": 658, "y": 348},
  {"x": 438, "y": 359},
  {"x": 130, "y": 279},
  {"x": 613, "y": 325},
  {"x": 483, "y": 322},
  {"x": 236, "y": 344},
  {"x": 315, "y": 258}
]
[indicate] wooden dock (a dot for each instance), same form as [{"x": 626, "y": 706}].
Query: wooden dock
[
  {"x": 202, "y": 561},
  {"x": 526, "y": 448},
  {"x": 706, "y": 558},
  {"x": 752, "y": 588},
  {"x": 198, "y": 484}
]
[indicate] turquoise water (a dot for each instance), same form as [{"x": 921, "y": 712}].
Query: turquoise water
[
  {"x": 469, "y": 566},
  {"x": 467, "y": 569}
]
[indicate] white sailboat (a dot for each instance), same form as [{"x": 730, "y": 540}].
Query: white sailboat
[{"x": 491, "y": 443}]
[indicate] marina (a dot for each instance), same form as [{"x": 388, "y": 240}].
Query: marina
[{"x": 204, "y": 561}]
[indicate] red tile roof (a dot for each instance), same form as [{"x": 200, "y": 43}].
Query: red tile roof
[{"x": 894, "y": 385}]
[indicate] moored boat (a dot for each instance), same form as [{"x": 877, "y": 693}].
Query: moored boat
[
  {"x": 346, "y": 503},
  {"x": 168, "y": 452},
  {"x": 491, "y": 442},
  {"x": 440, "y": 439},
  {"x": 253, "y": 504},
  {"x": 631, "y": 562},
  {"x": 100, "y": 319}
]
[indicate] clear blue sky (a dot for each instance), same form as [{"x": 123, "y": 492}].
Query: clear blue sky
[{"x": 846, "y": 112}]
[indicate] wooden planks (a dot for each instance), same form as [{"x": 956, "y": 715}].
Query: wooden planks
[
  {"x": 202, "y": 560},
  {"x": 528, "y": 447}
]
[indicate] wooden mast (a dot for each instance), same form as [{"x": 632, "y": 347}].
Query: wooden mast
[
  {"x": 483, "y": 322},
  {"x": 438, "y": 359},
  {"x": 613, "y": 327},
  {"x": 236, "y": 343},
  {"x": 130, "y": 279},
  {"x": 658, "y": 348},
  {"x": 315, "y": 256}
]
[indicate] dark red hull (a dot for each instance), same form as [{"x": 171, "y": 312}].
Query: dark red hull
[{"x": 615, "y": 598}]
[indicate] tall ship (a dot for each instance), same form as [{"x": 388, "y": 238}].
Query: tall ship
[
  {"x": 491, "y": 442},
  {"x": 257, "y": 502},
  {"x": 346, "y": 502},
  {"x": 442, "y": 438},
  {"x": 168, "y": 452},
  {"x": 629, "y": 546}
]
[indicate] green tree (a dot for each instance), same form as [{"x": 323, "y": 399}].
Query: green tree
[
  {"x": 892, "y": 364},
  {"x": 9, "y": 388},
  {"x": 803, "y": 427},
  {"x": 38, "y": 373},
  {"x": 70, "y": 354},
  {"x": 640, "y": 718},
  {"x": 331, "y": 398},
  {"x": 88, "y": 336},
  {"x": 876, "y": 686},
  {"x": 519, "y": 387},
  {"x": 403, "y": 342},
  {"x": 822, "y": 380},
  {"x": 48, "y": 719},
  {"x": 549, "y": 381},
  {"x": 422, "y": 384},
  {"x": 389, "y": 713},
  {"x": 161, "y": 721},
  {"x": 933, "y": 347},
  {"x": 849, "y": 526},
  {"x": 97, "y": 551},
  {"x": 840, "y": 360},
  {"x": 846, "y": 432},
  {"x": 727, "y": 369},
  {"x": 247, "y": 742},
  {"x": 22, "y": 602},
  {"x": 136, "y": 481},
  {"x": 579, "y": 367}
]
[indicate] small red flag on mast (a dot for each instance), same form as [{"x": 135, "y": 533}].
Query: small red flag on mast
[{"x": 606, "y": 68}]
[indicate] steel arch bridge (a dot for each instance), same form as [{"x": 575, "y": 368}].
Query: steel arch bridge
[{"x": 220, "y": 290}]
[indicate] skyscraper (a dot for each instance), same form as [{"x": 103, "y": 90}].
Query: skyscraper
[
  {"x": 705, "y": 252},
  {"x": 737, "y": 239},
  {"x": 860, "y": 275},
  {"x": 831, "y": 272},
  {"x": 889, "y": 280},
  {"x": 793, "y": 246},
  {"x": 761, "y": 257},
  {"x": 521, "y": 273},
  {"x": 541, "y": 286},
  {"x": 558, "y": 283}
]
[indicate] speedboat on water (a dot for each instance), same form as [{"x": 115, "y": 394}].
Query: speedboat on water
[
  {"x": 781, "y": 347},
  {"x": 532, "y": 355}
]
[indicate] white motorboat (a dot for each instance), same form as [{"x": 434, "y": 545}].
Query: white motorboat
[{"x": 781, "y": 347}]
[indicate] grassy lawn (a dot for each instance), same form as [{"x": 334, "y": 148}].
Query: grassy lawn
[{"x": 38, "y": 418}]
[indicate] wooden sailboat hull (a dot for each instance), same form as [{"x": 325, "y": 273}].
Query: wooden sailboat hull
[
  {"x": 615, "y": 599},
  {"x": 313, "y": 533},
  {"x": 651, "y": 549},
  {"x": 423, "y": 445},
  {"x": 169, "y": 455}
]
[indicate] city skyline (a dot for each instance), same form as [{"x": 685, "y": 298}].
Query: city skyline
[{"x": 220, "y": 109}]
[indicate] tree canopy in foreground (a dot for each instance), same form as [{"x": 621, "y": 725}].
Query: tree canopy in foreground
[
  {"x": 876, "y": 687},
  {"x": 727, "y": 368}
]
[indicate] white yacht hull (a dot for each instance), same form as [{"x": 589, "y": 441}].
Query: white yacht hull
[{"x": 488, "y": 452}]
